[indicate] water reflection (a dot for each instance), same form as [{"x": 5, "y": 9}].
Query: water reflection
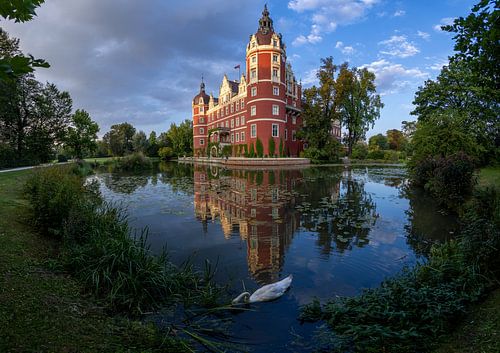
[{"x": 256, "y": 205}]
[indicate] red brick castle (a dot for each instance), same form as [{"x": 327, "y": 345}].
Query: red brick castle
[{"x": 264, "y": 105}]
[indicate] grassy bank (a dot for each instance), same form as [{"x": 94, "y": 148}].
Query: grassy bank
[{"x": 42, "y": 309}]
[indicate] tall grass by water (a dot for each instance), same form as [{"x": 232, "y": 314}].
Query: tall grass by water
[{"x": 99, "y": 248}]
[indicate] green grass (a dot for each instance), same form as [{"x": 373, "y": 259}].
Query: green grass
[
  {"x": 479, "y": 332},
  {"x": 43, "y": 310},
  {"x": 489, "y": 176}
]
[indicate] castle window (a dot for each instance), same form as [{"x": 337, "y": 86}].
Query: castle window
[
  {"x": 276, "y": 91},
  {"x": 202, "y": 141},
  {"x": 294, "y": 120},
  {"x": 254, "y": 59},
  {"x": 253, "y": 75},
  {"x": 227, "y": 110},
  {"x": 253, "y": 110},
  {"x": 202, "y": 130},
  {"x": 201, "y": 109},
  {"x": 218, "y": 113},
  {"x": 253, "y": 131},
  {"x": 237, "y": 105},
  {"x": 201, "y": 100},
  {"x": 232, "y": 138},
  {"x": 286, "y": 134},
  {"x": 237, "y": 121},
  {"x": 294, "y": 137},
  {"x": 202, "y": 120},
  {"x": 242, "y": 120},
  {"x": 237, "y": 137},
  {"x": 276, "y": 109},
  {"x": 275, "y": 42},
  {"x": 253, "y": 44},
  {"x": 275, "y": 130},
  {"x": 242, "y": 104},
  {"x": 254, "y": 91},
  {"x": 232, "y": 108},
  {"x": 227, "y": 123},
  {"x": 232, "y": 123},
  {"x": 242, "y": 136},
  {"x": 275, "y": 58}
]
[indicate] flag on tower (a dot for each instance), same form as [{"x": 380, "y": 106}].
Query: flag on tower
[{"x": 237, "y": 66}]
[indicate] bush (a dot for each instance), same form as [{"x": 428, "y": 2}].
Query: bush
[
  {"x": 52, "y": 193},
  {"x": 259, "y": 147},
  {"x": 392, "y": 156},
  {"x": 330, "y": 153},
  {"x": 251, "y": 154},
  {"x": 61, "y": 158},
  {"x": 166, "y": 153},
  {"x": 272, "y": 147},
  {"x": 359, "y": 151},
  {"x": 376, "y": 154},
  {"x": 226, "y": 151},
  {"x": 448, "y": 179},
  {"x": 134, "y": 162}
]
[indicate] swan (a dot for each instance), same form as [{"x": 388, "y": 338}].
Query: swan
[{"x": 266, "y": 293}]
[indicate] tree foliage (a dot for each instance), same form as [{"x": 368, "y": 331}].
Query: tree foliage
[
  {"x": 396, "y": 139},
  {"x": 119, "y": 139},
  {"x": 181, "y": 138},
  {"x": 81, "y": 136},
  {"x": 378, "y": 142}
]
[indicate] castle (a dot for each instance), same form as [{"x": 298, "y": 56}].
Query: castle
[{"x": 263, "y": 108}]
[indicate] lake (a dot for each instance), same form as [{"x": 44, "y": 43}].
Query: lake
[{"x": 336, "y": 229}]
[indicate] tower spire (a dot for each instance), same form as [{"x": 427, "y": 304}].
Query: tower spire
[
  {"x": 202, "y": 85},
  {"x": 265, "y": 22}
]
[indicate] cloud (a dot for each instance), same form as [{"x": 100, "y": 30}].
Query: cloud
[
  {"x": 398, "y": 46},
  {"x": 423, "y": 35},
  {"x": 394, "y": 78},
  {"x": 399, "y": 13},
  {"x": 346, "y": 50},
  {"x": 437, "y": 66},
  {"x": 327, "y": 15},
  {"x": 310, "y": 78},
  {"x": 444, "y": 22},
  {"x": 124, "y": 61}
]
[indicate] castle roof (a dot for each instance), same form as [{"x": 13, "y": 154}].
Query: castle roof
[{"x": 202, "y": 94}]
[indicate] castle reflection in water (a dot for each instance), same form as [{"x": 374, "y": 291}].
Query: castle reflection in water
[{"x": 259, "y": 205}]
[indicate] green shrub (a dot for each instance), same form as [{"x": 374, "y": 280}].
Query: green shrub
[
  {"x": 330, "y": 153},
  {"x": 259, "y": 147},
  {"x": 376, "y": 154},
  {"x": 165, "y": 153},
  {"x": 251, "y": 154},
  {"x": 134, "y": 162},
  {"x": 392, "y": 156},
  {"x": 282, "y": 148},
  {"x": 52, "y": 193},
  {"x": 226, "y": 151},
  {"x": 272, "y": 147},
  {"x": 359, "y": 151},
  {"x": 61, "y": 158}
]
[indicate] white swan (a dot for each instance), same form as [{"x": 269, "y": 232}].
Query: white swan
[{"x": 266, "y": 293}]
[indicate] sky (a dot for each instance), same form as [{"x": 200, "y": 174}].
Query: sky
[{"x": 142, "y": 61}]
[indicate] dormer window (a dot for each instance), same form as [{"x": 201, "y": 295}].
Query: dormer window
[
  {"x": 275, "y": 43},
  {"x": 201, "y": 100},
  {"x": 254, "y": 59}
]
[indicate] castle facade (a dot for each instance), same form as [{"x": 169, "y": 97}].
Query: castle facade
[{"x": 261, "y": 111}]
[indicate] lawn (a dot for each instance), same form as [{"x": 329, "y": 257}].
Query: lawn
[{"x": 42, "y": 309}]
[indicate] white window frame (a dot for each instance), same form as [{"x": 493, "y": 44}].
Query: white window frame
[
  {"x": 242, "y": 120},
  {"x": 232, "y": 138},
  {"x": 242, "y": 136},
  {"x": 253, "y": 92},
  {"x": 276, "y": 90},
  {"x": 253, "y": 130},
  {"x": 237, "y": 137},
  {"x": 276, "y": 109},
  {"x": 294, "y": 120},
  {"x": 276, "y": 56},
  {"x": 202, "y": 130},
  {"x": 232, "y": 123},
  {"x": 253, "y": 110},
  {"x": 202, "y": 142},
  {"x": 277, "y": 130}
]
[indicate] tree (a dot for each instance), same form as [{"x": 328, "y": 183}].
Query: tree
[
  {"x": 82, "y": 135},
  {"x": 357, "y": 103},
  {"x": 140, "y": 142},
  {"x": 377, "y": 143},
  {"x": 181, "y": 137},
  {"x": 165, "y": 153},
  {"x": 396, "y": 140},
  {"x": 271, "y": 146},
  {"x": 408, "y": 128},
  {"x": 319, "y": 107},
  {"x": 119, "y": 139},
  {"x": 259, "y": 148},
  {"x": 152, "y": 145}
]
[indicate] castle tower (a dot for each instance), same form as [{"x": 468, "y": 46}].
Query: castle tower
[
  {"x": 199, "y": 109},
  {"x": 272, "y": 92}
]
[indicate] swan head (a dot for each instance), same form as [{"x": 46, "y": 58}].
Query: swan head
[{"x": 242, "y": 298}]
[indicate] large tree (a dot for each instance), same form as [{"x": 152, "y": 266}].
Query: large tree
[
  {"x": 319, "y": 107},
  {"x": 119, "y": 139},
  {"x": 140, "y": 142},
  {"x": 82, "y": 135},
  {"x": 357, "y": 102},
  {"x": 181, "y": 137},
  {"x": 396, "y": 139}
]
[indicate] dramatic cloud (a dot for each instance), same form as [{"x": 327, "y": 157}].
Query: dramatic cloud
[
  {"x": 399, "y": 13},
  {"x": 125, "y": 61},
  {"x": 346, "y": 50},
  {"x": 423, "y": 35},
  {"x": 326, "y": 15},
  {"x": 398, "y": 46},
  {"x": 444, "y": 22},
  {"x": 394, "y": 78}
]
